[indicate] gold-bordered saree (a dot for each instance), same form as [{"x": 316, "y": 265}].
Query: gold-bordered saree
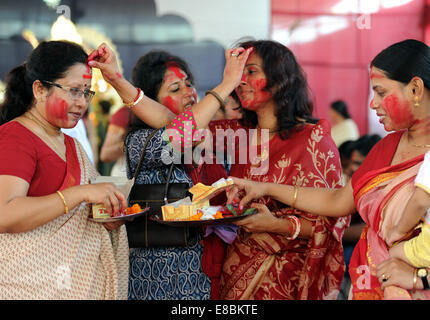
[{"x": 381, "y": 192}]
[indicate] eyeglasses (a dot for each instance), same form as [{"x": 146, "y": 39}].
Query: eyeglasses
[{"x": 74, "y": 93}]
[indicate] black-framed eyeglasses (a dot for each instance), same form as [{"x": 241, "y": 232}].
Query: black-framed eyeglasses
[{"x": 74, "y": 93}]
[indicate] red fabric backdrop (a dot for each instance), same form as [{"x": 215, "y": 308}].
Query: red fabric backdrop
[{"x": 335, "y": 41}]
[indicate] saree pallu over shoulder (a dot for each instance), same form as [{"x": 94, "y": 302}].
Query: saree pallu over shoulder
[
  {"x": 268, "y": 266},
  {"x": 68, "y": 257},
  {"x": 381, "y": 196}
]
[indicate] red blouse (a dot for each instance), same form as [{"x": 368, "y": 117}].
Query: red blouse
[
  {"x": 26, "y": 156},
  {"x": 121, "y": 118}
]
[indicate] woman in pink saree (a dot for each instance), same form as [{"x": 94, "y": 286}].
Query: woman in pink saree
[{"x": 381, "y": 187}]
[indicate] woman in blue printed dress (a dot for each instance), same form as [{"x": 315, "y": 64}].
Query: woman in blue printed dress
[
  {"x": 174, "y": 272},
  {"x": 167, "y": 84}
]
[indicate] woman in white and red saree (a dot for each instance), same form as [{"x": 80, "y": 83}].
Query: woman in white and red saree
[{"x": 49, "y": 249}]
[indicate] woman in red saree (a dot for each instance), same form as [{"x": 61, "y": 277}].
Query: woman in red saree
[
  {"x": 266, "y": 260},
  {"x": 48, "y": 247},
  {"x": 381, "y": 187},
  {"x": 262, "y": 264}
]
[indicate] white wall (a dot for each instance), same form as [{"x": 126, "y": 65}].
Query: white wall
[{"x": 224, "y": 21}]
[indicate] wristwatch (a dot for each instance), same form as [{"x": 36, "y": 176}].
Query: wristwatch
[{"x": 422, "y": 273}]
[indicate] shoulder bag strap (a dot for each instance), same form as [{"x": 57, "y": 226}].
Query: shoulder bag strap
[{"x": 136, "y": 172}]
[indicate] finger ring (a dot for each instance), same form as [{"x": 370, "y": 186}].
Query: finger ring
[
  {"x": 234, "y": 54},
  {"x": 385, "y": 277}
]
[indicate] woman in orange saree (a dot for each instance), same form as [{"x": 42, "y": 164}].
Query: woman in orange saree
[{"x": 380, "y": 189}]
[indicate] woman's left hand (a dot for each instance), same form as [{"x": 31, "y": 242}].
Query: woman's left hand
[
  {"x": 110, "y": 226},
  {"x": 397, "y": 273},
  {"x": 263, "y": 221}
]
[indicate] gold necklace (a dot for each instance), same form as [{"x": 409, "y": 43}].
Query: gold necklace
[
  {"x": 45, "y": 129},
  {"x": 419, "y": 146},
  {"x": 422, "y": 146}
]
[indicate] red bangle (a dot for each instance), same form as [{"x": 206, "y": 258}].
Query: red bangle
[
  {"x": 135, "y": 99},
  {"x": 297, "y": 226}
]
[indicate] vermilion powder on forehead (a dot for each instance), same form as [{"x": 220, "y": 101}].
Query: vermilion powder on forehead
[
  {"x": 174, "y": 67},
  {"x": 88, "y": 74},
  {"x": 374, "y": 75}
]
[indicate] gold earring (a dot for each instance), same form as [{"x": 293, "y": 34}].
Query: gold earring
[{"x": 417, "y": 104}]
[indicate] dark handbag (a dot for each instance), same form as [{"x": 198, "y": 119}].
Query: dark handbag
[{"x": 143, "y": 232}]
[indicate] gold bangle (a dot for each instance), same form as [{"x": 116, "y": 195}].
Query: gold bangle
[
  {"x": 66, "y": 208},
  {"x": 136, "y": 100},
  {"x": 217, "y": 96},
  {"x": 296, "y": 191}
]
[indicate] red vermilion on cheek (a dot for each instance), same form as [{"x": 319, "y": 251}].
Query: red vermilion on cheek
[
  {"x": 259, "y": 84},
  {"x": 398, "y": 111},
  {"x": 56, "y": 110},
  {"x": 259, "y": 94},
  {"x": 172, "y": 104}
]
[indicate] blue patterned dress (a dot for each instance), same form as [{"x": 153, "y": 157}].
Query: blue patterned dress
[{"x": 173, "y": 273}]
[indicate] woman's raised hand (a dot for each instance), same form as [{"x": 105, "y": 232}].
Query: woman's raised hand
[
  {"x": 253, "y": 190},
  {"x": 235, "y": 60},
  {"x": 104, "y": 59}
]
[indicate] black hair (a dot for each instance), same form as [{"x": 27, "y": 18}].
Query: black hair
[
  {"x": 365, "y": 143},
  {"x": 287, "y": 82},
  {"x": 346, "y": 148},
  {"x": 105, "y": 106},
  {"x": 404, "y": 60},
  {"x": 340, "y": 107},
  {"x": 235, "y": 97},
  {"x": 148, "y": 75},
  {"x": 49, "y": 61}
]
